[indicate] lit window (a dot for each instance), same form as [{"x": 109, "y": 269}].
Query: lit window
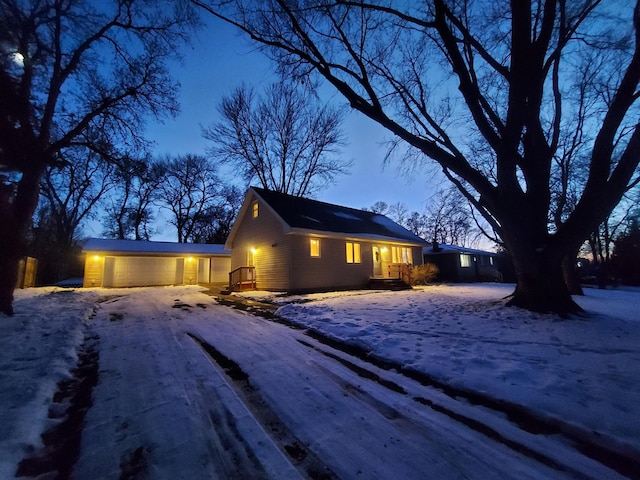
[
  {"x": 314, "y": 247},
  {"x": 465, "y": 260},
  {"x": 401, "y": 255},
  {"x": 353, "y": 252},
  {"x": 255, "y": 209}
]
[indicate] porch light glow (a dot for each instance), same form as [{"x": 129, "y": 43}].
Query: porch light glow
[
  {"x": 384, "y": 249},
  {"x": 96, "y": 258},
  {"x": 190, "y": 259},
  {"x": 254, "y": 250}
]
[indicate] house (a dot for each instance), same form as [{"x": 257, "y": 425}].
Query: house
[
  {"x": 460, "y": 264},
  {"x": 132, "y": 263},
  {"x": 292, "y": 244}
]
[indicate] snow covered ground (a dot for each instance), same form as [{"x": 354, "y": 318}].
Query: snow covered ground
[{"x": 166, "y": 403}]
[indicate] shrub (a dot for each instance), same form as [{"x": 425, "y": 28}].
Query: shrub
[{"x": 424, "y": 274}]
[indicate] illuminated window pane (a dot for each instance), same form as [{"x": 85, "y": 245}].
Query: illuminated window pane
[
  {"x": 401, "y": 255},
  {"x": 315, "y": 247},
  {"x": 349, "y": 252},
  {"x": 255, "y": 209},
  {"x": 465, "y": 260},
  {"x": 353, "y": 252}
]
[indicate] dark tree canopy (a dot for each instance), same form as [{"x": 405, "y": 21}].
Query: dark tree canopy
[
  {"x": 71, "y": 190},
  {"x": 626, "y": 254},
  {"x": 129, "y": 214},
  {"x": 499, "y": 94},
  {"x": 75, "y": 73},
  {"x": 189, "y": 191},
  {"x": 285, "y": 138}
]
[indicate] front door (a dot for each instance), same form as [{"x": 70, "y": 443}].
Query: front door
[{"x": 377, "y": 262}]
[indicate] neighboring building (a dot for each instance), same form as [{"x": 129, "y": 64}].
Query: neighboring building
[
  {"x": 132, "y": 263},
  {"x": 460, "y": 264},
  {"x": 27, "y": 269},
  {"x": 292, "y": 244}
]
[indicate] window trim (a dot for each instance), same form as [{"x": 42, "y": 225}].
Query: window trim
[
  {"x": 465, "y": 260},
  {"x": 402, "y": 255},
  {"x": 353, "y": 252}
]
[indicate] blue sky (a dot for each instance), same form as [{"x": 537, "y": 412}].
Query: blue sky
[{"x": 218, "y": 61}]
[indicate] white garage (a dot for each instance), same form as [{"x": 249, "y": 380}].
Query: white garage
[
  {"x": 129, "y": 263},
  {"x": 136, "y": 271}
]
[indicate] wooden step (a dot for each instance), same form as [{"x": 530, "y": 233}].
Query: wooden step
[{"x": 388, "y": 284}]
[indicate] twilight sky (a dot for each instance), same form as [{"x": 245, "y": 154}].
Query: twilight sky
[{"x": 218, "y": 61}]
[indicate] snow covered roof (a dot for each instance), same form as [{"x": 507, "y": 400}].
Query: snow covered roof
[
  {"x": 444, "y": 248},
  {"x": 139, "y": 246},
  {"x": 305, "y": 214}
]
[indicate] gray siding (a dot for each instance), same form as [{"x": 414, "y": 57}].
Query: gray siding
[
  {"x": 331, "y": 269},
  {"x": 264, "y": 234}
]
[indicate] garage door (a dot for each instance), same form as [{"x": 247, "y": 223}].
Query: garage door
[{"x": 143, "y": 271}]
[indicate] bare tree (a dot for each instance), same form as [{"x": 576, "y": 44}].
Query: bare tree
[
  {"x": 484, "y": 89},
  {"x": 398, "y": 212},
  {"x": 448, "y": 219},
  {"x": 626, "y": 252},
  {"x": 129, "y": 214},
  {"x": 215, "y": 224},
  {"x": 602, "y": 239},
  {"x": 417, "y": 223},
  {"x": 379, "y": 207},
  {"x": 75, "y": 72},
  {"x": 285, "y": 138},
  {"x": 189, "y": 190},
  {"x": 69, "y": 195},
  {"x": 71, "y": 190}
]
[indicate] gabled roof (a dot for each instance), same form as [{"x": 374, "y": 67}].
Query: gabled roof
[
  {"x": 142, "y": 247},
  {"x": 303, "y": 215}
]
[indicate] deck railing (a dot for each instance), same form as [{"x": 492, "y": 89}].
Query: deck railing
[
  {"x": 402, "y": 271},
  {"x": 242, "y": 278}
]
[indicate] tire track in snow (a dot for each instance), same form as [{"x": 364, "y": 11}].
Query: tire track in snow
[
  {"x": 391, "y": 413},
  {"x": 153, "y": 414},
  {"x": 604, "y": 451},
  {"x": 304, "y": 459}
]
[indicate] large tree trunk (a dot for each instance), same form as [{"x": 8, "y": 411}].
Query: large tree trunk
[
  {"x": 15, "y": 214},
  {"x": 9, "y": 263},
  {"x": 541, "y": 286}
]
